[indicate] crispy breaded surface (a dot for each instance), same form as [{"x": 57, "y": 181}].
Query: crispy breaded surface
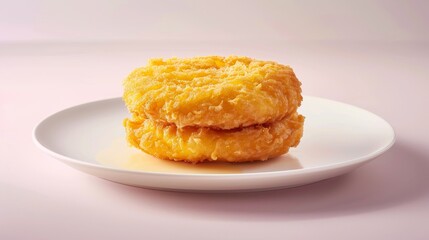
[
  {"x": 217, "y": 92},
  {"x": 197, "y": 144}
]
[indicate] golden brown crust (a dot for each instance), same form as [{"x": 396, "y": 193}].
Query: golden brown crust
[
  {"x": 217, "y": 92},
  {"x": 194, "y": 144}
]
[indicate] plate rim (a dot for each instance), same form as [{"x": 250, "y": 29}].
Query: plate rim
[{"x": 308, "y": 170}]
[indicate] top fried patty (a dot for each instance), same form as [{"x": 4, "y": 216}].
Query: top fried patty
[{"x": 212, "y": 91}]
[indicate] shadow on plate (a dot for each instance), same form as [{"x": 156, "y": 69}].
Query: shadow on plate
[{"x": 396, "y": 177}]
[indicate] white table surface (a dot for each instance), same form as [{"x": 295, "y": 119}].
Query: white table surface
[{"x": 41, "y": 198}]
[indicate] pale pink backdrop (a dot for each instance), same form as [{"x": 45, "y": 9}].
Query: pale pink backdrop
[{"x": 373, "y": 54}]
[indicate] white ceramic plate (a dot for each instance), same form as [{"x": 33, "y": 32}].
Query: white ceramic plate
[{"x": 337, "y": 139}]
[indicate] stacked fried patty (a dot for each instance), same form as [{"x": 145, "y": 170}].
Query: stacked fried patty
[{"x": 232, "y": 109}]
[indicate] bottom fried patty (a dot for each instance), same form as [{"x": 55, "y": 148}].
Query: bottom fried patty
[{"x": 197, "y": 144}]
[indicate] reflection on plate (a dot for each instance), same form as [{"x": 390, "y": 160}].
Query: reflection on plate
[{"x": 337, "y": 139}]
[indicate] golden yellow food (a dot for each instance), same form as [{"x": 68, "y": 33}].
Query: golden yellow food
[
  {"x": 232, "y": 109},
  {"x": 197, "y": 144},
  {"x": 217, "y": 92}
]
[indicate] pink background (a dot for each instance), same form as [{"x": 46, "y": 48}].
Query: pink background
[{"x": 374, "y": 55}]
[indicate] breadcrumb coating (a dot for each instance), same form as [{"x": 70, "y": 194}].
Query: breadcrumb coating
[
  {"x": 197, "y": 144},
  {"x": 216, "y": 92}
]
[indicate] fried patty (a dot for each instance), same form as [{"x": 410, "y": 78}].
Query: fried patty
[
  {"x": 217, "y": 92},
  {"x": 197, "y": 144},
  {"x": 231, "y": 109}
]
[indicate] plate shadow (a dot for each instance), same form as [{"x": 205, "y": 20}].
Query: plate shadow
[{"x": 400, "y": 175}]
